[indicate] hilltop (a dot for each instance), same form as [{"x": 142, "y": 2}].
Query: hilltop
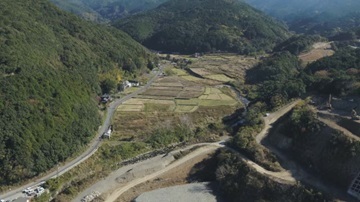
[
  {"x": 190, "y": 26},
  {"x": 313, "y": 16},
  {"x": 105, "y": 10},
  {"x": 51, "y": 64}
]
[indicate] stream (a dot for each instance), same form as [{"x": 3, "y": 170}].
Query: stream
[{"x": 241, "y": 98}]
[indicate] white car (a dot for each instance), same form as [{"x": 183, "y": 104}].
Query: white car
[{"x": 26, "y": 190}]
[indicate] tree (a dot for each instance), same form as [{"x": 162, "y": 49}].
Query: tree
[
  {"x": 107, "y": 86},
  {"x": 150, "y": 65}
]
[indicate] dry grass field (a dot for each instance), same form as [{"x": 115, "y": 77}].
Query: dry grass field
[
  {"x": 191, "y": 78},
  {"x": 319, "y": 51},
  {"x": 219, "y": 77},
  {"x": 223, "y": 67},
  {"x": 170, "y": 98}
]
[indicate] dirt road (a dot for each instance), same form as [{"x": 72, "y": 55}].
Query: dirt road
[
  {"x": 335, "y": 126},
  {"x": 114, "y": 195},
  {"x": 284, "y": 176},
  {"x": 289, "y": 176},
  {"x": 272, "y": 118}
]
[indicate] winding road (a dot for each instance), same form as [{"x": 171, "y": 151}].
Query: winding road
[
  {"x": 284, "y": 176},
  {"x": 92, "y": 148}
]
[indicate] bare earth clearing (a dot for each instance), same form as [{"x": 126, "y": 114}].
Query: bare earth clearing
[
  {"x": 284, "y": 176},
  {"x": 320, "y": 50},
  {"x": 223, "y": 68},
  {"x": 201, "y": 151},
  {"x": 176, "y": 176}
]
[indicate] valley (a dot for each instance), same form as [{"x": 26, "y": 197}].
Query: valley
[{"x": 198, "y": 100}]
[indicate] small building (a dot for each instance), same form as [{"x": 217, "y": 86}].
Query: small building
[
  {"x": 196, "y": 55},
  {"x": 129, "y": 83},
  {"x": 354, "y": 188},
  {"x": 134, "y": 83},
  {"x": 107, "y": 134},
  {"x": 105, "y": 98}
]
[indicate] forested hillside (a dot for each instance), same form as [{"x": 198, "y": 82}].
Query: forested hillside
[
  {"x": 50, "y": 65},
  {"x": 313, "y": 16},
  {"x": 338, "y": 74},
  {"x": 102, "y": 10},
  {"x": 190, "y": 26}
]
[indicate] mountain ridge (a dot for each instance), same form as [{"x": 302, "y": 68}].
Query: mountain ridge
[
  {"x": 106, "y": 10},
  {"x": 204, "y": 25},
  {"x": 312, "y": 16}
]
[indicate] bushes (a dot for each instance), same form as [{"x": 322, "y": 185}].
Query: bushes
[
  {"x": 239, "y": 182},
  {"x": 278, "y": 79},
  {"x": 163, "y": 137},
  {"x": 303, "y": 121},
  {"x": 337, "y": 74},
  {"x": 299, "y": 43}
]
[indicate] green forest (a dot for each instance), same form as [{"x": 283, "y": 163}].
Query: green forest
[
  {"x": 190, "y": 26},
  {"x": 50, "y": 63},
  {"x": 299, "y": 43},
  {"x": 106, "y": 10},
  {"x": 338, "y": 74},
  {"x": 313, "y": 16},
  {"x": 281, "y": 77}
]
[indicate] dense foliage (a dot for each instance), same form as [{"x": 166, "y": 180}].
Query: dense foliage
[
  {"x": 327, "y": 152},
  {"x": 239, "y": 182},
  {"x": 338, "y": 74},
  {"x": 50, "y": 63},
  {"x": 102, "y": 10},
  {"x": 190, "y": 26},
  {"x": 244, "y": 139},
  {"x": 313, "y": 16},
  {"x": 298, "y": 43},
  {"x": 327, "y": 24},
  {"x": 277, "y": 79}
]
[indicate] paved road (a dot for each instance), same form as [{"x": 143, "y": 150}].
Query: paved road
[{"x": 93, "y": 146}]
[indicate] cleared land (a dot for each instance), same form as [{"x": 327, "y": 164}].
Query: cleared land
[
  {"x": 320, "y": 50},
  {"x": 199, "y": 192},
  {"x": 219, "y": 77},
  {"x": 179, "y": 95},
  {"x": 176, "y": 176},
  {"x": 222, "y": 67},
  {"x": 170, "y": 99}
]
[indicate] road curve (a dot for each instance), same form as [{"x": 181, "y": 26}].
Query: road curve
[
  {"x": 272, "y": 118},
  {"x": 92, "y": 148},
  {"x": 283, "y": 176},
  {"x": 202, "y": 150}
]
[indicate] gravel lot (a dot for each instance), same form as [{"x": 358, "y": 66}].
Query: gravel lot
[{"x": 196, "y": 192}]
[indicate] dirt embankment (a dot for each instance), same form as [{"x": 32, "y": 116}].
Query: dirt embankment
[
  {"x": 176, "y": 176},
  {"x": 329, "y": 153}
]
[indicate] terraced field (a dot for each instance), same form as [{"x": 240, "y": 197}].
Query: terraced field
[
  {"x": 222, "y": 68},
  {"x": 185, "y": 99},
  {"x": 171, "y": 99}
]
